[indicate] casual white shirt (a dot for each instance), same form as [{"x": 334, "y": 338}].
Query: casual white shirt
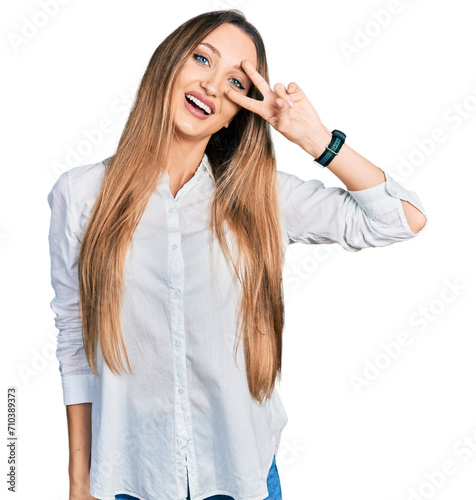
[{"x": 187, "y": 408}]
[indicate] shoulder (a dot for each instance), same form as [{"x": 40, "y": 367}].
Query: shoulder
[
  {"x": 79, "y": 180},
  {"x": 285, "y": 179},
  {"x": 85, "y": 181},
  {"x": 78, "y": 188},
  {"x": 285, "y": 183}
]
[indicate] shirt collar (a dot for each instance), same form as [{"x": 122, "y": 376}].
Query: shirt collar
[{"x": 206, "y": 163}]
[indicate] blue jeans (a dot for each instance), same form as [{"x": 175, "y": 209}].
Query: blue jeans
[{"x": 274, "y": 488}]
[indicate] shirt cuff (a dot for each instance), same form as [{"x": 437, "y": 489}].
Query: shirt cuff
[
  {"x": 78, "y": 388},
  {"x": 385, "y": 197}
]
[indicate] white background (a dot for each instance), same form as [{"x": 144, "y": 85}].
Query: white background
[{"x": 390, "y": 81}]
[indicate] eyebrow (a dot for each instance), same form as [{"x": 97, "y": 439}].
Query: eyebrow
[{"x": 217, "y": 52}]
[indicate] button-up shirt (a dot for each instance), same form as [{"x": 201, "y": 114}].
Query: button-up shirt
[{"x": 186, "y": 408}]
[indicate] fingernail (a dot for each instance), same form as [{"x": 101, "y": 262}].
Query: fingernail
[{"x": 291, "y": 104}]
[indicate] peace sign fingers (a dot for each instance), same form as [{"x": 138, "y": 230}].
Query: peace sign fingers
[
  {"x": 260, "y": 83},
  {"x": 245, "y": 101},
  {"x": 287, "y": 110}
]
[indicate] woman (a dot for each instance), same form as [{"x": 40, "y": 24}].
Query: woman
[{"x": 168, "y": 256}]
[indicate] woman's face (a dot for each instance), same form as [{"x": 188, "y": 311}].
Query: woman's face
[{"x": 213, "y": 67}]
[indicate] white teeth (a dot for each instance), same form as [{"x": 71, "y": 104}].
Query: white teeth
[{"x": 199, "y": 103}]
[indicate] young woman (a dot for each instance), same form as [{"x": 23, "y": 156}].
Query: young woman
[{"x": 166, "y": 261}]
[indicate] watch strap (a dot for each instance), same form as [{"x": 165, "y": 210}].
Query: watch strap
[{"x": 331, "y": 151}]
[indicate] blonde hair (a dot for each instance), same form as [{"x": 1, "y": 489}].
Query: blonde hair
[{"x": 241, "y": 157}]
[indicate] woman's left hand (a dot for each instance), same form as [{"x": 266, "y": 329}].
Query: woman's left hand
[{"x": 297, "y": 123}]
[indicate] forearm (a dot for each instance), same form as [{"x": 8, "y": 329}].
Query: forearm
[
  {"x": 79, "y": 434},
  {"x": 357, "y": 173}
]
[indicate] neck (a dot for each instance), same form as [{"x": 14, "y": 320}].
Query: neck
[{"x": 185, "y": 158}]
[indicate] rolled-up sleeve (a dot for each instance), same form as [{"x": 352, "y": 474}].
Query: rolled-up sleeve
[
  {"x": 64, "y": 243},
  {"x": 372, "y": 217}
]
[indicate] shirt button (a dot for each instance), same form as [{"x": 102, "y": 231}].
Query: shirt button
[
  {"x": 394, "y": 192},
  {"x": 171, "y": 210},
  {"x": 177, "y": 343},
  {"x": 176, "y": 295},
  {"x": 189, "y": 440},
  {"x": 180, "y": 391},
  {"x": 174, "y": 246}
]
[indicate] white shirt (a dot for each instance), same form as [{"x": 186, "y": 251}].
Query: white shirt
[{"x": 187, "y": 406}]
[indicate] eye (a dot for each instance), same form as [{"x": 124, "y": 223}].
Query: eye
[
  {"x": 239, "y": 84},
  {"x": 197, "y": 56},
  {"x": 200, "y": 57}
]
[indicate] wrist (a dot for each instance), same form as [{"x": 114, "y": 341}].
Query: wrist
[
  {"x": 316, "y": 143},
  {"x": 78, "y": 471}
]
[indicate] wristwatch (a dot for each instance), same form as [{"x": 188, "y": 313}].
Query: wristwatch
[{"x": 337, "y": 141}]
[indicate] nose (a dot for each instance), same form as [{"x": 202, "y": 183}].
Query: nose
[
  {"x": 211, "y": 84},
  {"x": 209, "y": 88}
]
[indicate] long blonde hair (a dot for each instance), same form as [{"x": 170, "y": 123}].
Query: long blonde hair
[{"x": 241, "y": 157}]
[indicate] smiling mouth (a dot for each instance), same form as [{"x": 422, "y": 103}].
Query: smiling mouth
[{"x": 195, "y": 105}]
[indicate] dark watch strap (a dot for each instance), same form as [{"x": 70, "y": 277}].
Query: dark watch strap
[{"x": 331, "y": 151}]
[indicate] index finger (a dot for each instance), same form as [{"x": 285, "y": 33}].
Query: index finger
[
  {"x": 244, "y": 101},
  {"x": 260, "y": 83}
]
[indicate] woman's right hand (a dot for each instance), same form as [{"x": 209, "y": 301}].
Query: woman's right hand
[{"x": 79, "y": 488}]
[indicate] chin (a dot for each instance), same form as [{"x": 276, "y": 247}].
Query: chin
[{"x": 194, "y": 128}]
